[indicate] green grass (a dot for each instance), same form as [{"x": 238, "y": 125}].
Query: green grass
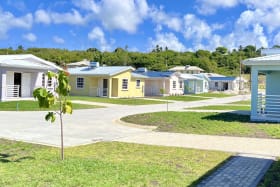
[
  {"x": 181, "y": 98},
  {"x": 272, "y": 177},
  {"x": 104, "y": 164},
  {"x": 245, "y": 102},
  {"x": 33, "y": 106},
  {"x": 206, "y": 123},
  {"x": 215, "y": 94},
  {"x": 124, "y": 101},
  {"x": 223, "y": 107}
]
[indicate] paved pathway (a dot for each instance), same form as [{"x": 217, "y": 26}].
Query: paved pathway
[{"x": 239, "y": 171}]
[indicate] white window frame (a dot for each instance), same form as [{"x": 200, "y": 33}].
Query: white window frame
[
  {"x": 124, "y": 84},
  {"x": 49, "y": 82},
  {"x": 80, "y": 84},
  {"x": 43, "y": 80},
  {"x": 138, "y": 83},
  {"x": 180, "y": 84},
  {"x": 174, "y": 85}
]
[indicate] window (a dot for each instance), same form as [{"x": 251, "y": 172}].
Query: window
[
  {"x": 181, "y": 84},
  {"x": 174, "y": 84},
  {"x": 49, "y": 82},
  {"x": 216, "y": 84},
  {"x": 138, "y": 82},
  {"x": 125, "y": 84},
  {"x": 43, "y": 80},
  {"x": 80, "y": 82}
]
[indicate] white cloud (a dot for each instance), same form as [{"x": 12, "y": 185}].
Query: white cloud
[
  {"x": 58, "y": 40},
  {"x": 261, "y": 4},
  {"x": 167, "y": 40},
  {"x": 30, "y": 37},
  {"x": 72, "y": 18},
  {"x": 9, "y": 21},
  {"x": 195, "y": 28},
  {"x": 276, "y": 39},
  {"x": 206, "y": 7},
  {"x": 162, "y": 18},
  {"x": 125, "y": 15},
  {"x": 98, "y": 35},
  {"x": 41, "y": 16}
]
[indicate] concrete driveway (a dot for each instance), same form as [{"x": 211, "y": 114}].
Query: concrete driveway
[{"x": 86, "y": 126}]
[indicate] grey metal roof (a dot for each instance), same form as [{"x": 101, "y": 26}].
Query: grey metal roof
[
  {"x": 27, "y": 61},
  {"x": 187, "y": 76},
  {"x": 222, "y": 78},
  {"x": 98, "y": 71},
  {"x": 263, "y": 60}
]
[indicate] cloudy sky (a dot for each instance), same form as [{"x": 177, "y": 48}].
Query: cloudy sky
[{"x": 181, "y": 25}]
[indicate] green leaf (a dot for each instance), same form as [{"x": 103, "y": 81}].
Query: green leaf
[{"x": 50, "y": 116}]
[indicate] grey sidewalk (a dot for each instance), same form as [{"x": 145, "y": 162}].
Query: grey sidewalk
[{"x": 239, "y": 171}]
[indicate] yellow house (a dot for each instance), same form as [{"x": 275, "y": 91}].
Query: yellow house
[{"x": 106, "y": 81}]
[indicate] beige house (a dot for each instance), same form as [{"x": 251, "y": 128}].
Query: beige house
[{"x": 187, "y": 69}]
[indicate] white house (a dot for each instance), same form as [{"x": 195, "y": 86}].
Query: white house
[
  {"x": 162, "y": 83},
  {"x": 265, "y": 106},
  {"x": 187, "y": 69},
  {"x": 226, "y": 84},
  {"x": 20, "y": 74}
]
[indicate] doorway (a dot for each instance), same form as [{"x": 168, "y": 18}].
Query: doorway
[
  {"x": 105, "y": 88},
  {"x": 17, "y": 81}
]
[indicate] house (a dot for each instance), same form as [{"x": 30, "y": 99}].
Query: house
[
  {"x": 82, "y": 63},
  {"x": 187, "y": 69},
  {"x": 21, "y": 74},
  {"x": 226, "y": 83},
  {"x": 265, "y": 105},
  {"x": 195, "y": 83},
  {"x": 106, "y": 81},
  {"x": 161, "y": 83}
]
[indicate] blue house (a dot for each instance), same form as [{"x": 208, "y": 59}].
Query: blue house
[
  {"x": 265, "y": 104},
  {"x": 195, "y": 83}
]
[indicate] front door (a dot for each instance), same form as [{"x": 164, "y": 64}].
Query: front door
[
  {"x": 17, "y": 81},
  {"x": 105, "y": 87},
  {"x": 225, "y": 86}
]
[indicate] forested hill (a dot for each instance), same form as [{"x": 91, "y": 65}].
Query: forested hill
[{"x": 220, "y": 61}]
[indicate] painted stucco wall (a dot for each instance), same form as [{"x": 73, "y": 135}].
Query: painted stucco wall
[
  {"x": 272, "y": 82},
  {"x": 91, "y": 84},
  {"x": 177, "y": 90}
]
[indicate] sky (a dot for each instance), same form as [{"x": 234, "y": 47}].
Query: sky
[{"x": 139, "y": 25}]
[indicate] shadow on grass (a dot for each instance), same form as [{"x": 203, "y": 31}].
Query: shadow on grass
[
  {"x": 231, "y": 117},
  {"x": 6, "y": 158},
  {"x": 208, "y": 173}
]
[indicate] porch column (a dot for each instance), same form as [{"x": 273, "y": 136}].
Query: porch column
[
  {"x": 254, "y": 92},
  {"x": 163, "y": 87},
  {"x": 3, "y": 83},
  {"x": 110, "y": 87}
]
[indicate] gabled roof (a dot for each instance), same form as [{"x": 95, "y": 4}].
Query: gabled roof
[
  {"x": 187, "y": 76},
  {"x": 186, "y": 68},
  {"x": 84, "y": 62},
  {"x": 156, "y": 74},
  {"x": 27, "y": 61},
  {"x": 263, "y": 60},
  {"x": 222, "y": 78},
  {"x": 99, "y": 71}
]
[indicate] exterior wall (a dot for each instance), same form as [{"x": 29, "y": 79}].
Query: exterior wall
[
  {"x": 194, "y": 86},
  {"x": 272, "y": 84},
  {"x": 177, "y": 90},
  {"x": 137, "y": 91},
  {"x": 153, "y": 87},
  {"x": 2, "y": 84},
  {"x": 232, "y": 85},
  {"x": 91, "y": 85}
]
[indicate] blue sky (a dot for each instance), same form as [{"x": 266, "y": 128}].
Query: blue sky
[{"x": 180, "y": 25}]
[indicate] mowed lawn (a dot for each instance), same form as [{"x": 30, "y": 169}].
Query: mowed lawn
[
  {"x": 211, "y": 123},
  {"x": 119, "y": 101},
  {"x": 34, "y": 106},
  {"x": 104, "y": 164},
  {"x": 181, "y": 98},
  {"x": 223, "y": 107}
]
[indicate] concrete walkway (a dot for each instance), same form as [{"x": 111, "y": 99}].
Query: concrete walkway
[{"x": 239, "y": 171}]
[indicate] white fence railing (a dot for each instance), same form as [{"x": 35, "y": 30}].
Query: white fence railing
[
  {"x": 269, "y": 105},
  {"x": 99, "y": 92},
  {"x": 12, "y": 90}
]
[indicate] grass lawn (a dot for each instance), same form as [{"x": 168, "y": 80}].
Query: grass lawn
[
  {"x": 33, "y": 106},
  {"x": 272, "y": 177},
  {"x": 181, "y": 98},
  {"x": 104, "y": 164},
  {"x": 223, "y": 107},
  {"x": 215, "y": 94},
  {"x": 245, "y": 102},
  {"x": 206, "y": 123},
  {"x": 125, "y": 101}
]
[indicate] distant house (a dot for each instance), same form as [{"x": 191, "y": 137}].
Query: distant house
[
  {"x": 187, "y": 69},
  {"x": 226, "y": 83},
  {"x": 195, "y": 83},
  {"x": 161, "y": 83},
  {"x": 265, "y": 104},
  {"x": 83, "y": 63},
  {"x": 106, "y": 81},
  {"x": 21, "y": 74}
]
